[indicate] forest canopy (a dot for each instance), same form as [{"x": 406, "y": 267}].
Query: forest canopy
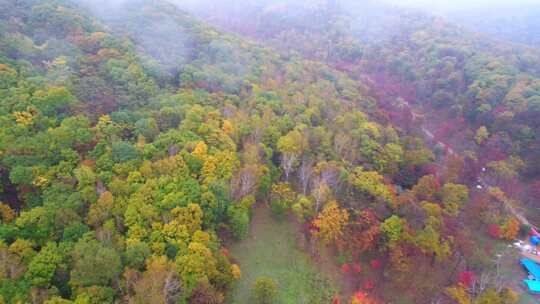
[{"x": 138, "y": 138}]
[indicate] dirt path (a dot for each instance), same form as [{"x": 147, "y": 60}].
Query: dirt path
[{"x": 419, "y": 117}]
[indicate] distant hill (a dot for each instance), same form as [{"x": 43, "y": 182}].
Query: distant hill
[
  {"x": 516, "y": 21},
  {"x": 517, "y": 24}
]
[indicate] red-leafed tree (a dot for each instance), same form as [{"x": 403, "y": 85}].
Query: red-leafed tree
[
  {"x": 368, "y": 284},
  {"x": 375, "y": 264},
  {"x": 494, "y": 231},
  {"x": 357, "y": 268},
  {"x": 466, "y": 278}
]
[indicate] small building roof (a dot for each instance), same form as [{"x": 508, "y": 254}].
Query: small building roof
[
  {"x": 533, "y": 286},
  {"x": 532, "y": 268}
]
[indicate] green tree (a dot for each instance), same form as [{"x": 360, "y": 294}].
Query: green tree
[
  {"x": 372, "y": 183},
  {"x": 123, "y": 151},
  {"x": 393, "y": 227},
  {"x": 43, "y": 266},
  {"x": 21, "y": 175},
  {"x": 58, "y": 300},
  {"x": 87, "y": 179},
  {"x": 453, "y": 197},
  {"x": 429, "y": 241},
  {"x": 74, "y": 132},
  {"x": 239, "y": 221},
  {"x": 265, "y": 290},
  {"x": 147, "y": 127},
  {"x": 136, "y": 254},
  {"x": 303, "y": 208},
  {"x": 93, "y": 264},
  {"x": 54, "y": 100}
]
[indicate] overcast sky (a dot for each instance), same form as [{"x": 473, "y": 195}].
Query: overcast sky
[{"x": 441, "y": 6}]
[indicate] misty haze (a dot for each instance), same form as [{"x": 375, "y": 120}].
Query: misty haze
[{"x": 269, "y": 151}]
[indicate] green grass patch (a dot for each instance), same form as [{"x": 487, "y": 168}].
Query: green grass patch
[
  {"x": 270, "y": 249},
  {"x": 528, "y": 299}
]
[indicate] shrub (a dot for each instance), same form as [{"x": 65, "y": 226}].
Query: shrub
[{"x": 265, "y": 290}]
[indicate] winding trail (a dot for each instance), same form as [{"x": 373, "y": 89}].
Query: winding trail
[
  {"x": 419, "y": 118},
  {"x": 485, "y": 186}
]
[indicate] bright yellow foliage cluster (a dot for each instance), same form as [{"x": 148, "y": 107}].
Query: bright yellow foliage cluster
[
  {"x": 24, "y": 118},
  {"x": 236, "y": 272},
  {"x": 330, "y": 222},
  {"x": 7, "y": 214}
]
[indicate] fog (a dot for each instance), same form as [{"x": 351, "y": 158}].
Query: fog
[
  {"x": 449, "y": 6},
  {"x": 434, "y": 6},
  {"x": 160, "y": 41},
  {"x": 516, "y": 21}
]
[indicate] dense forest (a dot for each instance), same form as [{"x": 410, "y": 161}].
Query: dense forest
[{"x": 139, "y": 138}]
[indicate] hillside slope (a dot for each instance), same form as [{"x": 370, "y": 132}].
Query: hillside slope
[{"x": 135, "y": 138}]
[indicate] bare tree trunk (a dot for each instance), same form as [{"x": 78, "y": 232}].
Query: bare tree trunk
[
  {"x": 305, "y": 173},
  {"x": 171, "y": 289},
  {"x": 287, "y": 162}
]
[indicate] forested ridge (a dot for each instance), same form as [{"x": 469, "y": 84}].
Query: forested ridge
[
  {"x": 135, "y": 140},
  {"x": 485, "y": 90}
]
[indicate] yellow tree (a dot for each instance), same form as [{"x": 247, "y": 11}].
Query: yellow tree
[
  {"x": 236, "y": 272},
  {"x": 282, "y": 198},
  {"x": 510, "y": 229},
  {"x": 197, "y": 266},
  {"x": 227, "y": 127},
  {"x": 330, "y": 222},
  {"x": 481, "y": 135},
  {"x": 459, "y": 294},
  {"x": 453, "y": 197},
  {"x": 190, "y": 216},
  {"x": 7, "y": 215},
  {"x": 200, "y": 151},
  {"x": 24, "y": 118},
  {"x": 372, "y": 183}
]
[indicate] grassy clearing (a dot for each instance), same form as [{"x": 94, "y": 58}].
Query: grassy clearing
[{"x": 271, "y": 250}]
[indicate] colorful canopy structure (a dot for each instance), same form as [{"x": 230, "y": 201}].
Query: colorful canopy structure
[
  {"x": 531, "y": 267},
  {"x": 533, "y": 286}
]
